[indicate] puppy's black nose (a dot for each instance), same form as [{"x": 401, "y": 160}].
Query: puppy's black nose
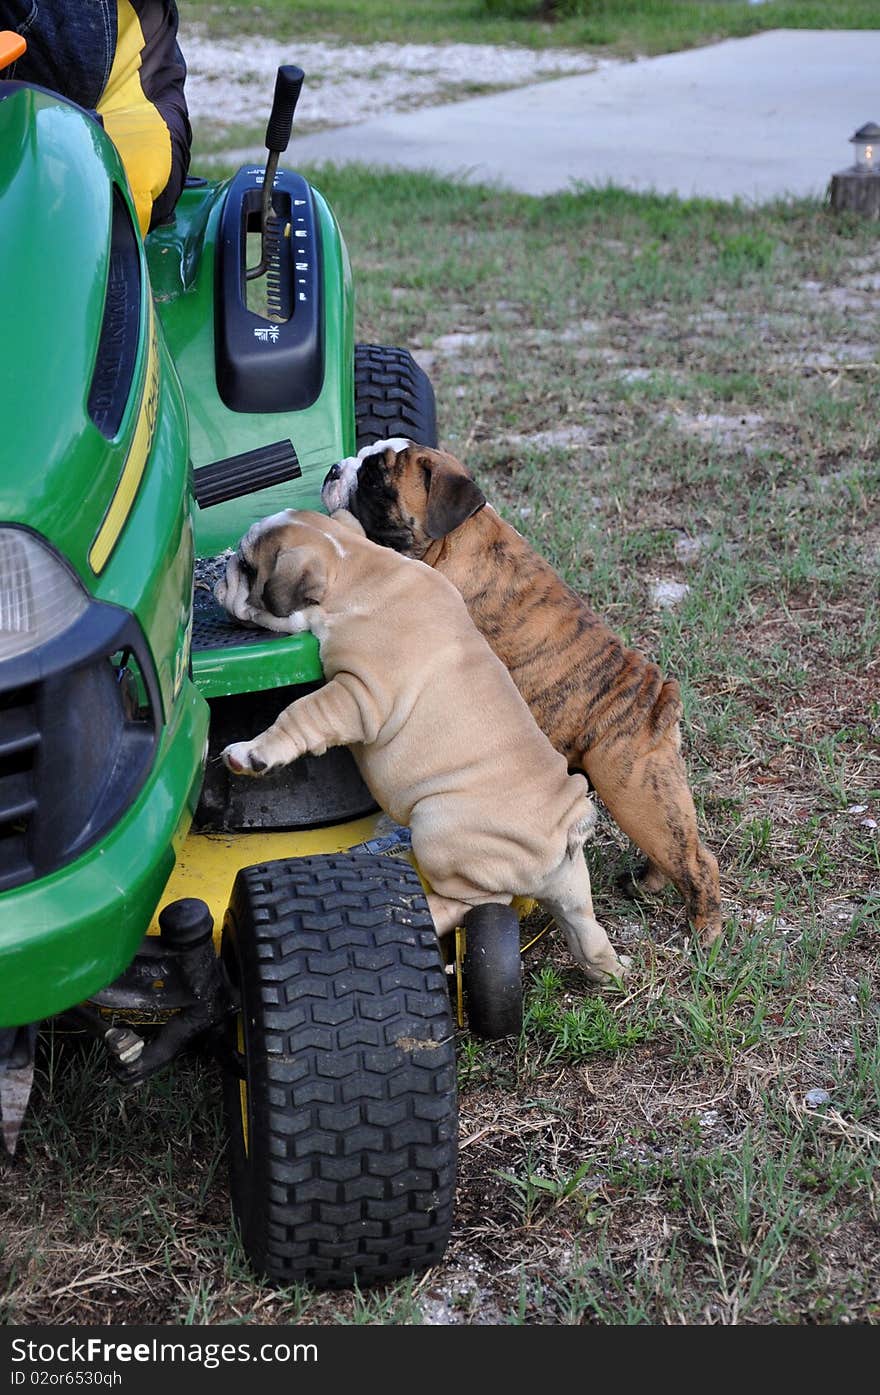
[{"x": 333, "y": 473}]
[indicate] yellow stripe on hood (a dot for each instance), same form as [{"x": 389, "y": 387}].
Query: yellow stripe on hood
[{"x": 135, "y": 462}]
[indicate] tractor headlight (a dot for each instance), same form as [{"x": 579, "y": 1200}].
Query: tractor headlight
[{"x": 38, "y": 596}]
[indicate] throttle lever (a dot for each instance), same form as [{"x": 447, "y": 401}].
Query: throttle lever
[{"x": 288, "y": 85}]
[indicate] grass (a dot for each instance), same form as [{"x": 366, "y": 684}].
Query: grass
[
  {"x": 626, "y": 27},
  {"x": 646, "y": 1155},
  {"x": 555, "y": 1031}
]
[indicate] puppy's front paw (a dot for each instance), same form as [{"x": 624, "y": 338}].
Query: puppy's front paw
[
  {"x": 232, "y": 591},
  {"x": 241, "y": 759},
  {"x": 226, "y": 586}
]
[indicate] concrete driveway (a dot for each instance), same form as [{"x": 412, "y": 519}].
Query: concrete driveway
[{"x": 755, "y": 119}]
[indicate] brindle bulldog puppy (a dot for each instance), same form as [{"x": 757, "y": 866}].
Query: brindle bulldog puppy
[{"x": 607, "y": 708}]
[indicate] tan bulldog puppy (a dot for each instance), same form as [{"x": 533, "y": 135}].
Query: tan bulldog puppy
[
  {"x": 441, "y": 736},
  {"x": 607, "y": 708}
]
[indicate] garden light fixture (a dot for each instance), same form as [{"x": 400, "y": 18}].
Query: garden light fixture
[
  {"x": 857, "y": 189},
  {"x": 867, "y": 148}
]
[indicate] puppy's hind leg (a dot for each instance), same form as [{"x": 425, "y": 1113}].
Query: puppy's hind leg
[
  {"x": 446, "y": 913},
  {"x": 648, "y": 796},
  {"x": 566, "y": 895},
  {"x": 646, "y": 881}
]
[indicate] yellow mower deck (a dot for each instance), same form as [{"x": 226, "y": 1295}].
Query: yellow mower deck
[{"x": 207, "y": 863}]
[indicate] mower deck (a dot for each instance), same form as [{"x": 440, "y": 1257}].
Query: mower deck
[{"x": 207, "y": 863}]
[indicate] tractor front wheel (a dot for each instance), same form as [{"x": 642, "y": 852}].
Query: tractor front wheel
[{"x": 342, "y": 1111}]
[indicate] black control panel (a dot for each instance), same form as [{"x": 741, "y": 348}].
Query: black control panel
[{"x": 275, "y": 363}]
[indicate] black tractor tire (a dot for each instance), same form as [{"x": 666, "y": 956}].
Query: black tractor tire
[
  {"x": 340, "y": 1085},
  {"x": 393, "y": 396},
  {"x": 492, "y": 972}
]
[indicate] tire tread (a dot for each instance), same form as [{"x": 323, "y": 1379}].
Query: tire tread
[
  {"x": 352, "y": 1168},
  {"x": 393, "y": 396}
]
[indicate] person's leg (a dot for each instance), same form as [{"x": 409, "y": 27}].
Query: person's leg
[{"x": 143, "y": 107}]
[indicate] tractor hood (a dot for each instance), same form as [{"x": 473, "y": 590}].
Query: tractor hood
[{"x": 78, "y": 361}]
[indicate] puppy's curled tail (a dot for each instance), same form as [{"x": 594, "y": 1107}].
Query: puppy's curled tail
[
  {"x": 582, "y": 830},
  {"x": 668, "y": 707}
]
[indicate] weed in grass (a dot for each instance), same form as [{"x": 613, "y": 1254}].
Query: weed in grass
[
  {"x": 750, "y": 1208},
  {"x": 471, "y": 1058},
  {"x": 532, "y": 1191},
  {"x": 576, "y": 1032},
  {"x": 733, "y": 1002},
  {"x": 867, "y": 917},
  {"x": 398, "y": 1303},
  {"x": 612, "y": 1289},
  {"x": 856, "y": 1091},
  {"x": 743, "y": 253},
  {"x": 755, "y": 841},
  {"x": 201, "y": 1306}
]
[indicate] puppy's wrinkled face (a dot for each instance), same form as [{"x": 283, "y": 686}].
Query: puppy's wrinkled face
[
  {"x": 405, "y": 496},
  {"x": 281, "y": 569}
]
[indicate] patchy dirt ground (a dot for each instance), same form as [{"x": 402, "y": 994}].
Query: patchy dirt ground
[{"x": 230, "y": 83}]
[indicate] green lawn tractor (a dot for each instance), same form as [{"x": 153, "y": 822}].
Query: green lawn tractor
[{"x": 155, "y": 399}]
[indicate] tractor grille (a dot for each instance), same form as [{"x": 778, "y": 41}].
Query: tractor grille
[
  {"x": 80, "y": 719},
  {"x": 19, "y": 745}
]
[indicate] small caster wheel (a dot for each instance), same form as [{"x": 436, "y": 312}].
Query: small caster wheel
[{"x": 493, "y": 972}]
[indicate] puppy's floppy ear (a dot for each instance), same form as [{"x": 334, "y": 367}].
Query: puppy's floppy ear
[
  {"x": 299, "y": 580},
  {"x": 452, "y": 498}
]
